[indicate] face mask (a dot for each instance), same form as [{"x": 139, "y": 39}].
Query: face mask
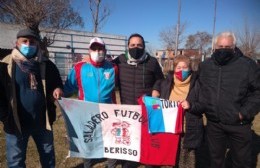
[
  {"x": 28, "y": 51},
  {"x": 223, "y": 55},
  {"x": 182, "y": 75},
  {"x": 136, "y": 53},
  {"x": 97, "y": 57}
]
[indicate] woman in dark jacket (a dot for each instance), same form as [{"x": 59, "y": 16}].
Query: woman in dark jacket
[{"x": 177, "y": 87}]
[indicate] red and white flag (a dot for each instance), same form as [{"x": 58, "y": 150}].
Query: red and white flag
[{"x": 115, "y": 131}]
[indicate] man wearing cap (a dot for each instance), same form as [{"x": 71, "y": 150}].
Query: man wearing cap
[
  {"x": 94, "y": 80},
  {"x": 30, "y": 83}
]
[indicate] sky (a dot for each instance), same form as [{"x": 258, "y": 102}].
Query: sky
[{"x": 150, "y": 17}]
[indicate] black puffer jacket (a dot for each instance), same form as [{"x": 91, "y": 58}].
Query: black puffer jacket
[
  {"x": 230, "y": 89},
  {"x": 137, "y": 80},
  {"x": 193, "y": 136}
]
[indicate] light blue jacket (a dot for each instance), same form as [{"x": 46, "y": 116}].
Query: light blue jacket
[{"x": 93, "y": 83}]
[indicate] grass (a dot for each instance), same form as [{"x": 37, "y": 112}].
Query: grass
[{"x": 61, "y": 148}]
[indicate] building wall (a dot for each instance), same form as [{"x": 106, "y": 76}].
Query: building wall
[
  {"x": 165, "y": 58},
  {"x": 68, "y": 46}
]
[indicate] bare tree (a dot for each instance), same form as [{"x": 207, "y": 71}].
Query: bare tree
[
  {"x": 248, "y": 40},
  {"x": 191, "y": 42},
  {"x": 150, "y": 49},
  {"x": 168, "y": 36},
  {"x": 99, "y": 14},
  {"x": 199, "y": 40},
  {"x": 52, "y": 14}
]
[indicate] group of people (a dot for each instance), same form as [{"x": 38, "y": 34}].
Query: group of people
[{"x": 226, "y": 88}]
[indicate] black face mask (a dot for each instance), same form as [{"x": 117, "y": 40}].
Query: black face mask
[
  {"x": 136, "y": 53},
  {"x": 223, "y": 55}
]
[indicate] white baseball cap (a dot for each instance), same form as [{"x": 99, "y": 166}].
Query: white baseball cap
[{"x": 96, "y": 40}]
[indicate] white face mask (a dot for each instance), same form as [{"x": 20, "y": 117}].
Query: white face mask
[{"x": 97, "y": 57}]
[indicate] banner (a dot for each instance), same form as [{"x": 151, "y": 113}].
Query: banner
[
  {"x": 115, "y": 131},
  {"x": 163, "y": 115},
  {"x": 157, "y": 148}
]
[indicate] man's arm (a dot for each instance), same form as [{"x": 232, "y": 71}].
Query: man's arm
[
  {"x": 54, "y": 82},
  {"x": 159, "y": 77},
  {"x": 195, "y": 106},
  {"x": 158, "y": 71},
  {"x": 3, "y": 98},
  {"x": 157, "y": 88},
  {"x": 194, "y": 103},
  {"x": 251, "y": 106}
]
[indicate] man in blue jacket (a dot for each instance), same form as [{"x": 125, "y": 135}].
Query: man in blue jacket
[{"x": 94, "y": 81}]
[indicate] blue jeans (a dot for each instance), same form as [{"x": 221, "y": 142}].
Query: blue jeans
[{"x": 16, "y": 146}]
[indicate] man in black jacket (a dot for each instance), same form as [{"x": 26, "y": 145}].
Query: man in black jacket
[
  {"x": 30, "y": 83},
  {"x": 229, "y": 94},
  {"x": 138, "y": 72}
]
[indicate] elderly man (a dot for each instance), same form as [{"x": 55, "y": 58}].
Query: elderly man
[
  {"x": 229, "y": 94},
  {"x": 30, "y": 84}
]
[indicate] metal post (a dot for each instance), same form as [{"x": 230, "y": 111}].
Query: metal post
[
  {"x": 71, "y": 45},
  {"x": 177, "y": 28},
  {"x": 214, "y": 25}
]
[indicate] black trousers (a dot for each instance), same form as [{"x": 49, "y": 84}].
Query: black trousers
[
  {"x": 112, "y": 163},
  {"x": 239, "y": 139}
]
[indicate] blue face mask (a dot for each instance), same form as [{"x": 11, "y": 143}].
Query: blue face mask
[{"x": 28, "y": 51}]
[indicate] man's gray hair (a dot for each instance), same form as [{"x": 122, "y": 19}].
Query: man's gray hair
[{"x": 226, "y": 34}]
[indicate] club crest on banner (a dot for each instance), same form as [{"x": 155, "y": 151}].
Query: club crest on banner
[{"x": 121, "y": 132}]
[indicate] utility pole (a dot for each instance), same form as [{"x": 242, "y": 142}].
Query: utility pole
[
  {"x": 177, "y": 28},
  {"x": 214, "y": 25}
]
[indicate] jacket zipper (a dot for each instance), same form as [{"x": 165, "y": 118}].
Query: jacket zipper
[
  {"x": 135, "y": 67},
  {"x": 98, "y": 86},
  {"x": 218, "y": 91}
]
